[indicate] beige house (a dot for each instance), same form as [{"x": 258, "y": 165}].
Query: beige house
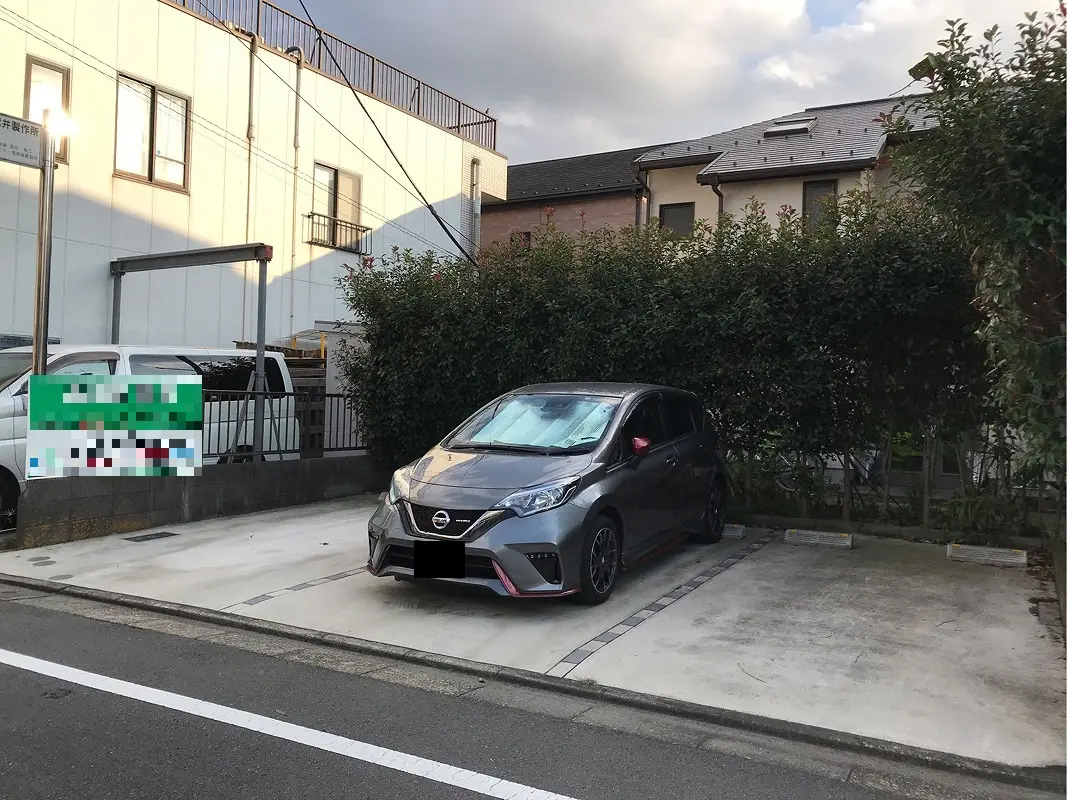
[{"x": 795, "y": 160}]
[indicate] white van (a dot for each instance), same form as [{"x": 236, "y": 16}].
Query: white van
[{"x": 228, "y": 376}]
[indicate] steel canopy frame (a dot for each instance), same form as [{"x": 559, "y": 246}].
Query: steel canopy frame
[{"x": 207, "y": 256}]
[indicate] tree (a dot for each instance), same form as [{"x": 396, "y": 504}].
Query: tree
[{"x": 992, "y": 170}]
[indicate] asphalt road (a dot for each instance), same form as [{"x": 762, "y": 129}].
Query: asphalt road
[{"x": 101, "y": 710}]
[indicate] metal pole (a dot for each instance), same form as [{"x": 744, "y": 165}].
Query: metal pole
[
  {"x": 116, "y": 306},
  {"x": 261, "y": 358},
  {"x": 44, "y": 251}
]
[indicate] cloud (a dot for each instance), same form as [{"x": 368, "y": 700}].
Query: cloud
[{"x": 574, "y": 76}]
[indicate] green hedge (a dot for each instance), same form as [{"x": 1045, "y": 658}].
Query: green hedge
[{"x": 819, "y": 338}]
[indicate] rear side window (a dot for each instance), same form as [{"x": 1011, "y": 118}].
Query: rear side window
[
  {"x": 219, "y": 373},
  {"x": 679, "y": 416},
  {"x": 160, "y": 365},
  {"x": 699, "y": 413}
]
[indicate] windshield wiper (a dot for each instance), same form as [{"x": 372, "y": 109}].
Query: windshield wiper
[{"x": 513, "y": 448}]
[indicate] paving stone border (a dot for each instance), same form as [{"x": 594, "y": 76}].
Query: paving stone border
[
  {"x": 579, "y": 654},
  {"x": 261, "y": 598}
]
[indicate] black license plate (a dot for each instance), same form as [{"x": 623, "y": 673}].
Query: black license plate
[{"x": 436, "y": 560}]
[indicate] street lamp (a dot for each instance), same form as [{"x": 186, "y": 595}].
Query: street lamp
[{"x": 44, "y": 238}]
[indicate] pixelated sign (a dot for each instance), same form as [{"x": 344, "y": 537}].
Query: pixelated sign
[{"x": 114, "y": 425}]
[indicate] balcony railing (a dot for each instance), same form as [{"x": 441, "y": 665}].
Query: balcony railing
[
  {"x": 337, "y": 233},
  {"x": 280, "y": 29}
]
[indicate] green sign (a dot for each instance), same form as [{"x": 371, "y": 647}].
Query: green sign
[{"x": 114, "y": 425}]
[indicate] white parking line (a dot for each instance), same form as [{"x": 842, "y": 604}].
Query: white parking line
[{"x": 372, "y": 754}]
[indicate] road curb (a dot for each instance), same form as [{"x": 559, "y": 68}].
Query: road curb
[{"x": 1052, "y": 779}]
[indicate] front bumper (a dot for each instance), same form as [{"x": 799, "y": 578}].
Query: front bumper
[{"x": 504, "y": 559}]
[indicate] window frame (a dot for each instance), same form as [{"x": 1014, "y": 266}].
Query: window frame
[
  {"x": 805, "y": 211},
  {"x": 332, "y": 200},
  {"x": 151, "y": 179},
  {"x": 63, "y": 151},
  {"x": 673, "y": 206},
  {"x": 334, "y": 204}
]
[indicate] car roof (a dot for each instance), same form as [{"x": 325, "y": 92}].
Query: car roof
[
  {"x": 133, "y": 349},
  {"x": 599, "y": 388}
]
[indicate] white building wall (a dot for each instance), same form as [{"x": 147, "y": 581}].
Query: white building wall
[{"x": 100, "y": 216}]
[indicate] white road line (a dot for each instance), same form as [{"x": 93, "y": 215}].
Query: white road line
[{"x": 331, "y": 743}]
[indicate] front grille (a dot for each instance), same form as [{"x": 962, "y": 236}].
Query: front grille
[
  {"x": 403, "y": 555},
  {"x": 458, "y": 521}
]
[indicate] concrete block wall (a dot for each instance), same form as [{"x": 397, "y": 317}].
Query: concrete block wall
[{"x": 59, "y": 510}]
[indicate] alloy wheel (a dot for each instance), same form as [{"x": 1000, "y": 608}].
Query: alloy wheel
[
  {"x": 716, "y": 508},
  {"x": 603, "y": 560}
]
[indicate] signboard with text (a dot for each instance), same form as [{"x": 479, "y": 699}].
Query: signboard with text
[
  {"x": 114, "y": 425},
  {"x": 20, "y": 141}
]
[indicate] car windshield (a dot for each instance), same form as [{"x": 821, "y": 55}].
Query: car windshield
[
  {"x": 543, "y": 423},
  {"x": 13, "y": 366}
]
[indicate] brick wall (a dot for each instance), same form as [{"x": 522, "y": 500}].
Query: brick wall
[{"x": 499, "y": 223}]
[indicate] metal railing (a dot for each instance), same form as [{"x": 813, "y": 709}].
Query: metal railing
[
  {"x": 302, "y": 424},
  {"x": 278, "y": 28},
  {"x": 337, "y": 233}
]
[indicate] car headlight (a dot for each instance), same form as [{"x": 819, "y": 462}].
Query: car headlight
[
  {"x": 540, "y": 498},
  {"x": 399, "y": 486}
]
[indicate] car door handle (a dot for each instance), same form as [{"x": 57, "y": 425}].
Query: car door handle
[{"x": 672, "y": 461}]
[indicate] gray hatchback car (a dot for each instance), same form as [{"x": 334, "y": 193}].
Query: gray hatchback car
[{"x": 553, "y": 490}]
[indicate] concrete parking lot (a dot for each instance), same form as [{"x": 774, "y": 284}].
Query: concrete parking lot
[{"x": 889, "y": 640}]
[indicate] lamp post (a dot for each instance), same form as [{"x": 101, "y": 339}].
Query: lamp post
[{"x": 44, "y": 249}]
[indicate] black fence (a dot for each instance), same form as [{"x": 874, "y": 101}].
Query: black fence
[
  {"x": 337, "y": 233},
  {"x": 301, "y": 424},
  {"x": 280, "y": 29}
]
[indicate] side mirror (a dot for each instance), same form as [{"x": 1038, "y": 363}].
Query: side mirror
[{"x": 640, "y": 445}]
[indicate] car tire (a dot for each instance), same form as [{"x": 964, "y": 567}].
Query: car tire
[
  {"x": 714, "y": 514},
  {"x": 601, "y": 562}
]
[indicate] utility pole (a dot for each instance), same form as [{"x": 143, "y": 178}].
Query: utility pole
[{"x": 44, "y": 249}]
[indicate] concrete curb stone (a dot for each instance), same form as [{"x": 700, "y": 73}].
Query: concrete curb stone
[{"x": 1051, "y": 778}]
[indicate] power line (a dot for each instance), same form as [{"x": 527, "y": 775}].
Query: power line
[
  {"x": 389, "y": 147},
  {"x": 207, "y": 125},
  {"x": 445, "y": 225}
]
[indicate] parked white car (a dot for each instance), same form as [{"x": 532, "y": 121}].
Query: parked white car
[{"x": 228, "y": 376}]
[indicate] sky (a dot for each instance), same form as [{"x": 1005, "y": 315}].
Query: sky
[{"x": 567, "y": 77}]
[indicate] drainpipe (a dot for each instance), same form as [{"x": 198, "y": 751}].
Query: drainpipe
[
  {"x": 722, "y": 200},
  {"x": 253, "y": 54},
  {"x": 299, "y": 53},
  {"x": 645, "y": 193}
]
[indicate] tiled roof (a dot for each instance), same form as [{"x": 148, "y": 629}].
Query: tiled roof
[
  {"x": 596, "y": 173},
  {"x": 846, "y": 135}
]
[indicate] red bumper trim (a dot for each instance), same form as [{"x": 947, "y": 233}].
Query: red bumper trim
[{"x": 509, "y": 587}]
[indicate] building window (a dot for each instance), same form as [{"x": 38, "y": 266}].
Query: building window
[
  {"x": 677, "y": 218},
  {"x": 815, "y": 194},
  {"x": 334, "y": 220},
  {"x": 522, "y": 239},
  {"x": 151, "y": 134},
  {"x": 47, "y": 86}
]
